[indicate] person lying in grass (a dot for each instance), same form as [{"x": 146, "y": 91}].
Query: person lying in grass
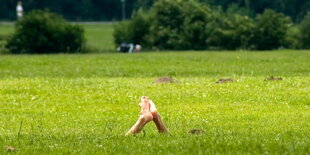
[{"x": 148, "y": 113}]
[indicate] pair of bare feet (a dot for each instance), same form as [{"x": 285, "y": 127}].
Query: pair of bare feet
[{"x": 148, "y": 113}]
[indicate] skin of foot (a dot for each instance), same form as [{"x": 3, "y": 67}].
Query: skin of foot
[
  {"x": 145, "y": 117},
  {"x": 148, "y": 113},
  {"x": 157, "y": 119}
]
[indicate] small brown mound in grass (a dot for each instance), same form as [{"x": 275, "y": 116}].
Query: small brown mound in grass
[
  {"x": 196, "y": 131},
  {"x": 10, "y": 149},
  {"x": 165, "y": 79},
  {"x": 224, "y": 80},
  {"x": 272, "y": 78}
]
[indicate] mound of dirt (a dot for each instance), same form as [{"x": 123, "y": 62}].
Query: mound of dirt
[
  {"x": 10, "y": 149},
  {"x": 224, "y": 80},
  {"x": 165, "y": 79},
  {"x": 272, "y": 78},
  {"x": 196, "y": 131}
]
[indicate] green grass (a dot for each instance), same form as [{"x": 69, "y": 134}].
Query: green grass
[
  {"x": 6, "y": 29},
  {"x": 83, "y": 104},
  {"x": 98, "y": 36}
]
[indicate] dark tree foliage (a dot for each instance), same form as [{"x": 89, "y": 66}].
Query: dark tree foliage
[
  {"x": 85, "y": 10},
  {"x": 296, "y": 9},
  {"x": 270, "y": 30},
  {"x": 230, "y": 31},
  {"x": 305, "y": 32},
  {"x": 189, "y": 25},
  {"x": 91, "y": 10},
  {"x": 146, "y": 4},
  {"x": 179, "y": 25},
  {"x": 133, "y": 31}
]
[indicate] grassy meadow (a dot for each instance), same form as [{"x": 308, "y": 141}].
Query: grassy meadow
[{"x": 84, "y": 104}]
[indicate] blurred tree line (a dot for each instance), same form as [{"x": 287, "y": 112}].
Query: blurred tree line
[
  {"x": 190, "y": 25},
  {"x": 75, "y": 10},
  {"x": 107, "y": 10},
  {"x": 296, "y": 9}
]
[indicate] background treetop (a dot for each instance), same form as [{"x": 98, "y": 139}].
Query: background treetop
[{"x": 107, "y": 10}]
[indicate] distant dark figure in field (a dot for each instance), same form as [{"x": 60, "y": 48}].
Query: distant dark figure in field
[
  {"x": 129, "y": 48},
  {"x": 148, "y": 113}
]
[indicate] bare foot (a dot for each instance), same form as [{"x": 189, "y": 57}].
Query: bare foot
[
  {"x": 148, "y": 113},
  {"x": 156, "y": 118},
  {"x": 145, "y": 117}
]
